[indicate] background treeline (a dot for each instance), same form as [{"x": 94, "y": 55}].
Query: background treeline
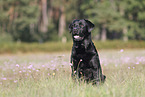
[{"x": 47, "y": 20}]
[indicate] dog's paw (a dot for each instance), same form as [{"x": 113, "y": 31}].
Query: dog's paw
[{"x": 103, "y": 78}]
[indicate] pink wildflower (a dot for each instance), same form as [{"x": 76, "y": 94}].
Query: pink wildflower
[{"x": 17, "y": 65}]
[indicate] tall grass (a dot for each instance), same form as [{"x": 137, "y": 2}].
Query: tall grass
[
  {"x": 11, "y": 47},
  {"x": 48, "y": 75}
]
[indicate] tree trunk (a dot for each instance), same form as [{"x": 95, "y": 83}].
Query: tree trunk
[
  {"x": 62, "y": 22},
  {"x": 125, "y": 37},
  {"x": 50, "y": 11},
  {"x": 103, "y": 33},
  {"x": 44, "y": 20}
]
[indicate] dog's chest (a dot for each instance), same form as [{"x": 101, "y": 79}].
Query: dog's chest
[
  {"x": 79, "y": 48},
  {"x": 80, "y": 51}
]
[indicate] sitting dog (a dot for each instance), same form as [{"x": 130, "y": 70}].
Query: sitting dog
[{"x": 84, "y": 57}]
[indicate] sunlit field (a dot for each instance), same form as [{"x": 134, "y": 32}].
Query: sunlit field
[{"x": 48, "y": 75}]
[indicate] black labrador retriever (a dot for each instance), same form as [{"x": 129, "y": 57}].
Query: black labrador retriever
[{"x": 84, "y": 57}]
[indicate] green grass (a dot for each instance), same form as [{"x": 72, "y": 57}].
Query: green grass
[
  {"x": 12, "y": 47},
  {"x": 48, "y": 75}
]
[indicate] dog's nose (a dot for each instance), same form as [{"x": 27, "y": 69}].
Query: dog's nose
[{"x": 75, "y": 30}]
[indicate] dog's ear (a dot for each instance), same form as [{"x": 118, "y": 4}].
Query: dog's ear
[
  {"x": 70, "y": 27},
  {"x": 90, "y": 25}
]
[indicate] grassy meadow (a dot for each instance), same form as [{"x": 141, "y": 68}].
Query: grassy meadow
[{"x": 48, "y": 75}]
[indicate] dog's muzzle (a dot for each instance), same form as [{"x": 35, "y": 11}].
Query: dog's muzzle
[
  {"x": 78, "y": 38},
  {"x": 78, "y": 35}
]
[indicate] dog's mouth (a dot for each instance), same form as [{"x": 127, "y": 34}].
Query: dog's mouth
[{"x": 78, "y": 38}]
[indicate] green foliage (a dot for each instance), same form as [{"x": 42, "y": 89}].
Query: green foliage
[
  {"x": 20, "y": 15},
  {"x": 117, "y": 15},
  {"x": 22, "y": 18},
  {"x": 132, "y": 10},
  {"x": 27, "y": 16},
  {"x": 5, "y": 37}
]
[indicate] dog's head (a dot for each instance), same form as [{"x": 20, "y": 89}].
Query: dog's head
[{"x": 80, "y": 29}]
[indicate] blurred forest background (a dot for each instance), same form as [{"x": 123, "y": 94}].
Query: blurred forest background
[{"x": 48, "y": 20}]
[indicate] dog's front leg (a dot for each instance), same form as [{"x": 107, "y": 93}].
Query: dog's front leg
[{"x": 74, "y": 68}]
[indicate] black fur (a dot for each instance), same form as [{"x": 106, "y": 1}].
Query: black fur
[{"x": 84, "y": 58}]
